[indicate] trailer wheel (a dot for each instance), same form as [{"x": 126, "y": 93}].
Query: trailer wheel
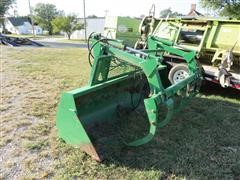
[{"x": 178, "y": 73}]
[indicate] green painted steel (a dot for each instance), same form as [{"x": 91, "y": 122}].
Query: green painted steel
[
  {"x": 215, "y": 34},
  {"x": 207, "y": 34},
  {"x": 83, "y": 112},
  {"x": 216, "y": 41},
  {"x": 124, "y": 28}
]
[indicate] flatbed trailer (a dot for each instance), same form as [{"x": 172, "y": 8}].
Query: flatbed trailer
[{"x": 216, "y": 41}]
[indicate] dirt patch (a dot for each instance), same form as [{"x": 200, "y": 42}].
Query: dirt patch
[{"x": 17, "y": 94}]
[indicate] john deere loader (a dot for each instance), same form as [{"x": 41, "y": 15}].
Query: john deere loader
[{"x": 124, "y": 80}]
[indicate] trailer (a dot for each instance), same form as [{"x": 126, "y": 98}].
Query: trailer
[
  {"x": 16, "y": 41},
  {"x": 216, "y": 41}
]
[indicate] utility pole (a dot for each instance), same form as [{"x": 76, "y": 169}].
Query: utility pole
[
  {"x": 31, "y": 17},
  {"x": 106, "y": 12},
  {"x": 85, "y": 22}
]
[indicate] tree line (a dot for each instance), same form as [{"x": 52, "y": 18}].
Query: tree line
[
  {"x": 48, "y": 17},
  {"x": 55, "y": 21}
]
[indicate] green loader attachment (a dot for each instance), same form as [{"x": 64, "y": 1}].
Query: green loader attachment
[{"x": 123, "y": 80}]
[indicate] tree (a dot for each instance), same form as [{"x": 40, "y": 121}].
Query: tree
[
  {"x": 169, "y": 13},
  {"x": 4, "y": 7},
  {"x": 92, "y": 16},
  {"x": 67, "y": 24},
  {"x": 230, "y": 8},
  {"x": 44, "y": 14}
]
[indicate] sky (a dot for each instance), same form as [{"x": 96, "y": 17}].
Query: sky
[{"x": 113, "y": 7}]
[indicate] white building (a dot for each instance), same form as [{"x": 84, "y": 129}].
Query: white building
[
  {"x": 21, "y": 25},
  {"x": 93, "y": 25}
]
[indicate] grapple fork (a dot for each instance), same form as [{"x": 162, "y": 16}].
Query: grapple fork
[{"x": 85, "y": 111}]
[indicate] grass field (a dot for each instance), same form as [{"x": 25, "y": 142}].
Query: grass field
[
  {"x": 201, "y": 142},
  {"x": 77, "y": 41}
]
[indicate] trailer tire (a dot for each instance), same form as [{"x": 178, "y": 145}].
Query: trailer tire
[{"x": 178, "y": 73}]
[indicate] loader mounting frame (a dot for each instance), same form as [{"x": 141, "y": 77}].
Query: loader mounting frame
[{"x": 83, "y": 106}]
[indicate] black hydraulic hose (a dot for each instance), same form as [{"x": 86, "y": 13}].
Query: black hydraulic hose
[
  {"x": 89, "y": 59},
  {"x": 90, "y": 49},
  {"x": 88, "y": 40},
  {"x": 135, "y": 106}
]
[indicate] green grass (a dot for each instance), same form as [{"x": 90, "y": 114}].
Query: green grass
[
  {"x": 201, "y": 142},
  {"x": 77, "y": 41}
]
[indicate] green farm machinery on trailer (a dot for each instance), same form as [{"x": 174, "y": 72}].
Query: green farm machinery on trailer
[
  {"x": 123, "y": 80},
  {"x": 124, "y": 28},
  {"x": 216, "y": 41}
]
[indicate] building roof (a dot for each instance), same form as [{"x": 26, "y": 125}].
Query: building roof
[
  {"x": 18, "y": 21},
  {"x": 195, "y": 13}
]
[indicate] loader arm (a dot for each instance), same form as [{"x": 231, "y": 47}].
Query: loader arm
[{"x": 98, "y": 101}]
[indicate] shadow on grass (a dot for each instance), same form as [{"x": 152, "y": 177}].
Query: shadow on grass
[
  {"x": 215, "y": 89},
  {"x": 201, "y": 142}
]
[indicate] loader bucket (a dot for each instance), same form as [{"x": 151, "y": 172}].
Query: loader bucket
[
  {"x": 89, "y": 117},
  {"x": 80, "y": 112}
]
